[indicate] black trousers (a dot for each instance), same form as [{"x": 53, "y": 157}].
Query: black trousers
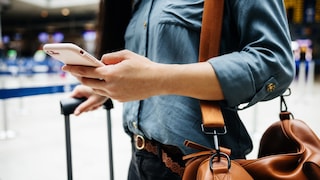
[{"x": 148, "y": 166}]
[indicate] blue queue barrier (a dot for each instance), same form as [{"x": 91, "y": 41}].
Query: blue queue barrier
[
  {"x": 23, "y": 92},
  {"x": 31, "y": 91}
]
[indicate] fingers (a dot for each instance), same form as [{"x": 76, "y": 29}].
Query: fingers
[
  {"x": 81, "y": 91},
  {"x": 93, "y": 83},
  {"x": 89, "y": 105},
  {"x": 98, "y": 72},
  {"x": 80, "y": 71},
  {"x": 84, "y": 107},
  {"x": 92, "y": 102}
]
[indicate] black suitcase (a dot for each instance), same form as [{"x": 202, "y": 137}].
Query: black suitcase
[{"x": 68, "y": 106}]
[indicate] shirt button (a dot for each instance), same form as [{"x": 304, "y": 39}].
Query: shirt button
[
  {"x": 135, "y": 125},
  {"x": 145, "y": 25},
  {"x": 271, "y": 87}
]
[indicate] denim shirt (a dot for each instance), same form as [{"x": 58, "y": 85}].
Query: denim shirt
[{"x": 256, "y": 64}]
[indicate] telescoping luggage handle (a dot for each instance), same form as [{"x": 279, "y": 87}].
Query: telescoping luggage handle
[{"x": 68, "y": 106}]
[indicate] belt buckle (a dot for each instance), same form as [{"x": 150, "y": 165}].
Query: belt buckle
[{"x": 140, "y": 142}]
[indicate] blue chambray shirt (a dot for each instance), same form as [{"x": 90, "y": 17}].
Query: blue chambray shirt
[{"x": 256, "y": 64}]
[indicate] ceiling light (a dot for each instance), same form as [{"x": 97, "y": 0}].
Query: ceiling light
[
  {"x": 65, "y": 12},
  {"x": 60, "y": 3},
  {"x": 44, "y": 13}
]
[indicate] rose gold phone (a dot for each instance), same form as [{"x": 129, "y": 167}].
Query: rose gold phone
[{"x": 71, "y": 54}]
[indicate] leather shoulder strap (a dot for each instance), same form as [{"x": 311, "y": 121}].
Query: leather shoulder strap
[{"x": 209, "y": 47}]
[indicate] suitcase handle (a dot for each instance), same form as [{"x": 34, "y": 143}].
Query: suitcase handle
[{"x": 68, "y": 105}]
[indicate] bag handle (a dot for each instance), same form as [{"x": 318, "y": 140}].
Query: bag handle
[{"x": 209, "y": 47}]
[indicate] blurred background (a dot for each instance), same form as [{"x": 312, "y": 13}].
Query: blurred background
[{"x": 32, "y": 144}]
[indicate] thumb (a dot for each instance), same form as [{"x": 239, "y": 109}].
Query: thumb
[{"x": 115, "y": 57}]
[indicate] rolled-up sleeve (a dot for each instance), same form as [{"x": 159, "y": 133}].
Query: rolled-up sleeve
[{"x": 261, "y": 65}]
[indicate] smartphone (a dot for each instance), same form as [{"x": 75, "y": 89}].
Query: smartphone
[{"x": 71, "y": 54}]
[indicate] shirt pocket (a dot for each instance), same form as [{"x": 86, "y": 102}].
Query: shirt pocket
[{"x": 187, "y": 13}]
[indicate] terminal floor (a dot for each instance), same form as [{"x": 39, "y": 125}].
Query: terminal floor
[{"x": 33, "y": 145}]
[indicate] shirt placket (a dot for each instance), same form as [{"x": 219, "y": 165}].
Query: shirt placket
[{"x": 141, "y": 26}]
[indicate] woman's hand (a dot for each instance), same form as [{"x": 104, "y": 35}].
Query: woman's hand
[
  {"x": 128, "y": 76},
  {"x": 93, "y": 101}
]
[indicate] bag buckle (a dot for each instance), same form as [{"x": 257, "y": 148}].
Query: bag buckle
[
  {"x": 215, "y": 132},
  {"x": 218, "y": 155}
]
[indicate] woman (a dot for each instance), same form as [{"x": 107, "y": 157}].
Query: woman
[{"x": 160, "y": 80}]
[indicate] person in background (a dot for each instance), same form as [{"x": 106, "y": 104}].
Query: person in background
[
  {"x": 150, "y": 51},
  {"x": 303, "y": 57}
]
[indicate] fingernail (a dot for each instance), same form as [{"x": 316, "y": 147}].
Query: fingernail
[{"x": 76, "y": 112}]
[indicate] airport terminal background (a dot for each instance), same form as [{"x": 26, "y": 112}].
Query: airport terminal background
[{"x": 32, "y": 142}]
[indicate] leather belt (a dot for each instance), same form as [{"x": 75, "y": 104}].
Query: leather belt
[{"x": 142, "y": 143}]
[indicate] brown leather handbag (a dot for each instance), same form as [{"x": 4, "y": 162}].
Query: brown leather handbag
[{"x": 289, "y": 150}]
